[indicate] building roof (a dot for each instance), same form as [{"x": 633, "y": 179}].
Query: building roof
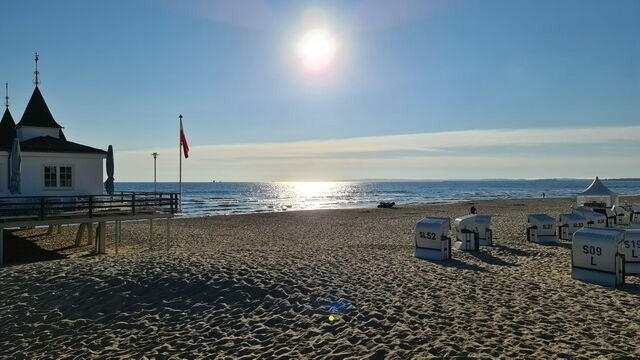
[
  {"x": 571, "y": 217},
  {"x": 597, "y": 188},
  {"x": 541, "y": 218},
  {"x": 51, "y": 144},
  {"x": 7, "y": 129},
  {"x": 37, "y": 112}
]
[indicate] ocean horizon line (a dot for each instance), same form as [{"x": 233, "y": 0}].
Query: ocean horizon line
[{"x": 380, "y": 180}]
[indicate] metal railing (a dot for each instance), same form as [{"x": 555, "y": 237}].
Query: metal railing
[{"x": 120, "y": 203}]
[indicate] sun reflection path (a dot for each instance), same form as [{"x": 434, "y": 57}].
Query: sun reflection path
[
  {"x": 311, "y": 195},
  {"x": 314, "y": 189}
]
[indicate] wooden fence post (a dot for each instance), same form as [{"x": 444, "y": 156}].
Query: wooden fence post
[
  {"x": 117, "y": 235},
  {"x": 42, "y": 212},
  {"x": 151, "y": 233},
  {"x": 102, "y": 238}
]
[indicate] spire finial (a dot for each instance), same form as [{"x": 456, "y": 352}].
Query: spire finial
[
  {"x": 180, "y": 116},
  {"x": 37, "y": 72},
  {"x": 6, "y": 97}
]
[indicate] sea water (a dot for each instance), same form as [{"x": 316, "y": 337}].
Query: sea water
[{"x": 225, "y": 198}]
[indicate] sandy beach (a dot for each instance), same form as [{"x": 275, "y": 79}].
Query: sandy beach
[{"x": 265, "y": 285}]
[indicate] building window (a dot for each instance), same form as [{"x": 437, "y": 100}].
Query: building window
[
  {"x": 50, "y": 177},
  {"x": 58, "y": 176},
  {"x": 65, "y": 176}
]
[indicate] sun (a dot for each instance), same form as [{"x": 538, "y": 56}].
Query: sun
[{"x": 316, "y": 49}]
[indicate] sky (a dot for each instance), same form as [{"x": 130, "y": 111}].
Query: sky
[{"x": 412, "y": 89}]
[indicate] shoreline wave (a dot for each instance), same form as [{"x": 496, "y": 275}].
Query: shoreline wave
[{"x": 202, "y": 199}]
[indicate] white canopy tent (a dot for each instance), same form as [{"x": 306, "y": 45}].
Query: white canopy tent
[{"x": 597, "y": 195}]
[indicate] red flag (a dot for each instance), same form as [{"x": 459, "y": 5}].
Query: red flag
[{"x": 183, "y": 141}]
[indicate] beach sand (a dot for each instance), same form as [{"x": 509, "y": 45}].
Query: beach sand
[{"x": 265, "y": 285}]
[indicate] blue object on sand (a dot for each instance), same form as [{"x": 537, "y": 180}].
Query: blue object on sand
[{"x": 336, "y": 306}]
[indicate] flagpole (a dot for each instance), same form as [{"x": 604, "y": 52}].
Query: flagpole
[{"x": 180, "y": 176}]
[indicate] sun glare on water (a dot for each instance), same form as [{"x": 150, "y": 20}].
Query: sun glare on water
[
  {"x": 311, "y": 189},
  {"x": 316, "y": 49}
]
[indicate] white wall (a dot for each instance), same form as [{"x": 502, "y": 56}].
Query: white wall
[
  {"x": 87, "y": 174},
  {"x": 30, "y": 132}
]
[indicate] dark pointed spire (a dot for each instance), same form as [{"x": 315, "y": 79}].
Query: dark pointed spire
[
  {"x": 7, "y": 129},
  {"x": 7, "y": 125},
  {"x": 37, "y": 113},
  {"x": 37, "y": 81}
]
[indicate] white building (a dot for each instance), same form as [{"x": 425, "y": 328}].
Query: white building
[
  {"x": 597, "y": 195},
  {"x": 51, "y": 165}
]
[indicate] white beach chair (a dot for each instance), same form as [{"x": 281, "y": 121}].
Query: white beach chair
[
  {"x": 568, "y": 224},
  {"x": 467, "y": 237},
  {"x": 483, "y": 228},
  {"x": 432, "y": 238},
  {"x": 594, "y": 219},
  {"x": 634, "y": 213},
  {"x": 622, "y": 217},
  {"x": 610, "y": 216},
  {"x": 541, "y": 228},
  {"x": 596, "y": 256},
  {"x": 631, "y": 251}
]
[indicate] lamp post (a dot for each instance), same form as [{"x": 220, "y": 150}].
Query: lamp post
[{"x": 155, "y": 156}]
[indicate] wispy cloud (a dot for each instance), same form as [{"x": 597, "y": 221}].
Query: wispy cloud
[
  {"x": 406, "y": 156},
  {"x": 423, "y": 142}
]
